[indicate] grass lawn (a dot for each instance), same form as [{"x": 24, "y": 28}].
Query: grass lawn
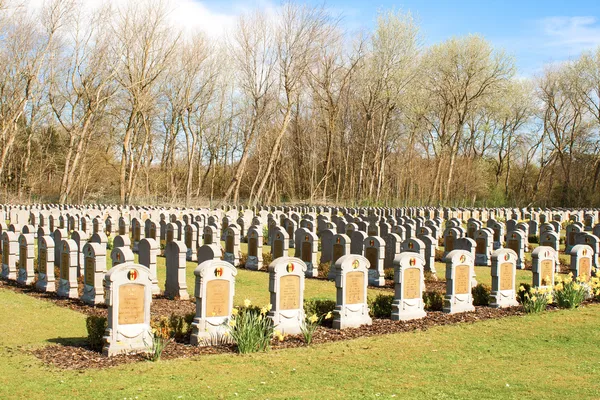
[{"x": 552, "y": 355}]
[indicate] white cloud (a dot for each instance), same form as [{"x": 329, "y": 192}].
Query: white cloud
[{"x": 575, "y": 33}]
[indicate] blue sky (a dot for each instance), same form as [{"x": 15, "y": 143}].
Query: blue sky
[{"x": 535, "y": 32}]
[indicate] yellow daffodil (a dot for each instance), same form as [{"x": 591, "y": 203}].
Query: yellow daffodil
[
  {"x": 534, "y": 298},
  {"x": 549, "y": 299},
  {"x": 312, "y": 319},
  {"x": 576, "y": 286},
  {"x": 521, "y": 288},
  {"x": 234, "y": 311},
  {"x": 558, "y": 287},
  {"x": 247, "y": 303},
  {"x": 329, "y": 315},
  {"x": 232, "y": 323}
]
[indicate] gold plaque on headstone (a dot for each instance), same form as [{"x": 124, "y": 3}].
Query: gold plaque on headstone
[
  {"x": 355, "y": 287},
  {"x": 23, "y": 256},
  {"x": 411, "y": 283},
  {"x": 506, "y": 276},
  {"x": 338, "y": 251},
  {"x": 289, "y": 292},
  {"x": 5, "y": 250},
  {"x": 278, "y": 248},
  {"x": 585, "y": 268},
  {"x": 207, "y": 239},
  {"x": 188, "y": 239},
  {"x": 481, "y": 246},
  {"x": 217, "y": 298},
  {"x": 42, "y": 260},
  {"x": 462, "y": 280},
  {"x": 65, "y": 264},
  {"x": 252, "y": 247},
  {"x": 89, "y": 267},
  {"x": 546, "y": 270},
  {"x": 170, "y": 235},
  {"x": 131, "y": 304},
  {"x": 229, "y": 244},
  {"x": 513, "y": 244},
  {"x": 449, "y": 243},
  {"x": 372, "y": 254},
  {"x": 307, "y": 252}
]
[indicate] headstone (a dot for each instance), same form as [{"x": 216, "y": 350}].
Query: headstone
[
  {"x": 543, "y": 266},
  {"x": 67, "y": 285},
  {"x": 503, "y": 278},
  {"x": 214, "y": 290},
  {"x": 26, "y": 274},
  {"x": 232, "y": 245},
  {"x": 286, "y": 285},
  {"x": 280, "y": 246},
  {"x": 94, "y": 269},
  {"x": 147, "y": 253},
  {"x": 581, "y": 261},
  {"x": 254, "y": 261},
  {"x": 46, "y": 279},
  {"x": 459, "y": 272},
  {"x": 340, "y": 248},
  {"x": 175, "y": 285},
  {"x": 128, "y": 297},
  {"x": 351, "y": 278},
  {"x": 408, "y": 287},
  {"x": 375, "y": 253}
]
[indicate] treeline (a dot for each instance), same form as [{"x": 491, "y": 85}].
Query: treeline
[{"x": 118, "y": 104}]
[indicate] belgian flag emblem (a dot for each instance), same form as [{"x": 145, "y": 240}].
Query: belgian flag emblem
[
  {"x": 132, "y": 275},
  {"x": 219, "y": 272}
]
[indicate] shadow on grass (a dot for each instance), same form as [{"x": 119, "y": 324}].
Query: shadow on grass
[{"x": 80, "y": 342}]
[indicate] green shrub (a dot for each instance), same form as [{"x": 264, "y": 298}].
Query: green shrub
[
  {"x": 429, "y": 276},
  {"x": 95, "y": 329},
  {"x": 243, "y": 260},
  {"x": 481, "y": 295},
  {"x": 388, "y": 274},
  {"x": 433, "y": 301},
  {"x": 318, "y": 306},
  {"x": 250, "y": 329},
  {"x": 324, "y": 269},
  {"x": 534, "y": 239},
  {"x": 177, "y": 327},
  {"x": 267, "y": 259},
  {"x": 109, "y": 243},
  {"x": 381, "y": 306}
]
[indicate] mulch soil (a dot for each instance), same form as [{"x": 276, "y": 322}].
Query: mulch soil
[{"x": 79, "y": 356}]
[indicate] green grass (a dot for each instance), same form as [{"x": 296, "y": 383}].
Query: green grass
[{"x": 551, "y": 355}]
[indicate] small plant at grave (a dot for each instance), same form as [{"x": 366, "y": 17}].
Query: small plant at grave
[
  {"x": 526, "y": 288},
  {"x": 95, "y": 329},
  {"x": 243, "y": 260},
  {"x": 481, "y": 295},
  {"x": 265, "y": 235},
  {"x": 433, "y": 301},
  {"x": 429, "y": 276},
  {"x": 439, "y": 255},
  {"x": 381, "y": 306},
  {"x": 109, "y": 243},
  {"x": 161, "y": 337},
  {"x": 250, "y": 328},
  {"x": 569, "y": 292},
  {"x": 534, "y": 239},
  {"x": 310, "y": 325},
  {"x": 318, "y": 306},
  {"x": 595, "y": 287},
  {"x": 535, "y": 300},
  {"x": 267, "y": 259},
  {"x": 388, "y": 274},
  {"x": 324, "y": 269}
]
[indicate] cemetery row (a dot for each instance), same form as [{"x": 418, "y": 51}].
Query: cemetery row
[{"x": 359, "y": 244}]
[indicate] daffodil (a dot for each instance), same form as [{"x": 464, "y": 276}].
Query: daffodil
[
  {"x": 234, "y": 311},
  {"x": 247, "y": 303},
  {"x": 534, "y": 298},
  {"x": 549, "y": 299},
  {"x": 558, "y": 287},
  {"x": 312, "y": 319},
  {"x": 576, "y": 286},
  {"x": 521, "y": 288},
  {"x": 232, "y": 323}
]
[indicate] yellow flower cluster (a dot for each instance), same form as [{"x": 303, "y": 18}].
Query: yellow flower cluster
[
  {"x": 277, "y": 333},
  {"x": 313, "y": 319}
]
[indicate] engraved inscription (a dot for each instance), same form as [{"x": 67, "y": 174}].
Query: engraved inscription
[
  {"x": 252, "y": 247},
  {"x": 481, "y": 246},
  {"x": 546, "y": 270},
  {"x": 371, "y": 254},
  {"x": 89, "y": 270},
  {"x": 338, "y": 251},
  {"x": 449, "y": 243},
  {"x": 229, "y": 244},
  {"x": 307, "y": 252},
  {"x": 355, "y": 287},
  {"x": 506, "y": 276},
  {"x": 289, "y": 294},
  {"x": 277, "y": 249},
  {"x": 42, "y": 261},
  {"x": 131, "y": 304},
  {"x": 411, "y": 284},
  {"x": 462, "y": 280},
  {"x": 64, "y": 265},
  {"x": 217, "y": 298},
  {"x": 585, "y": 268}
]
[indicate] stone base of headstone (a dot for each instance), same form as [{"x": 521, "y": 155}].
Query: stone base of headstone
[
  {"x": 9, "y": 273},
  {"x": 91, "y": 296},
  {"x": 23, "y": 279},
  {"x": 311, "y": 271},
  {"x": 482, "y": 260},
  {"x": 252, "y": 263},
  {"x": 288, "y": 322},
  {"x": 65, "y": 290},
  {"x": 351, "y": 316},
  {"x": 497, "y": 245},
  {"x": 136, "y": 342},
  {"x": 231, "y": 259},
  {"x": 376, "y": 279},
  {"x": 43, "y": 286},
  {"x": 453, "y": 305},
  {"x": 209, "y": 332},
  {"x": 501, "y": 300},
  {"x": 403, "y": 310}
]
